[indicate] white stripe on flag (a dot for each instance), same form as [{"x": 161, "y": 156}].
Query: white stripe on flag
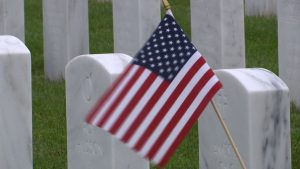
[
  {"x": 152, "y": 114},
  {"x": 124, "y": 102},
  {"x": 114, "y": 95},
  {"x": 138, "y": 108},
  {"x": 170, "y": 13},
  {"x": 175, "y": 132},
  {"x": 175, "y": 106}
]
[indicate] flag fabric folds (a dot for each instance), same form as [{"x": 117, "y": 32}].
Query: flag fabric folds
[{"x": 160, "y": 95}]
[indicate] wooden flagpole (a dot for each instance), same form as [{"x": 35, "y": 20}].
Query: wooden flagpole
[{"x": 167, "y": 6}]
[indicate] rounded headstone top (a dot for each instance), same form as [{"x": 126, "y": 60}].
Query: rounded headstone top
[
  {"x": 112, "y": 63},
  {"x": 253, "y": 79},
  {"x": 12, "y": 45}
]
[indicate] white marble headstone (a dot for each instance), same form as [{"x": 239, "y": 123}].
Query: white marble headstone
[
  {"x": 65, "y": 34},
  {"x": 15, "y": 105},
  {"x": 289, "y": 45},
  {"x": 256, "y": 107},
  {"x": 260, "y": 7},
  {"x": 12, "y": 18},
  {"x": 89, "y": 147},
  {"x": 218, "y": 32},
  {"x": 134, "y": 21}
]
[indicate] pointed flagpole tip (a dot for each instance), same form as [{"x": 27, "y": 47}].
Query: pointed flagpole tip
[{"x": 166, "y": 4}]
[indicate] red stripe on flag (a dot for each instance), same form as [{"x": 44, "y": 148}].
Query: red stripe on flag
[
  {"x": 106, "y": 95},
  {"x": 163, "y": 111},
  {"x": 190, "y": 123},
  {"x": 180, "y": 112},
  {"x": 139, "y": 94},
  {"x": 120, "y": 96},
  {"x": 134, "y": 126}
]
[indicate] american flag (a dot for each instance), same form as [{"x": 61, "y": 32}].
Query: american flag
[{"x": 160, "y": 95}]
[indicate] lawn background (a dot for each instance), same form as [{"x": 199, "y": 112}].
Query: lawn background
[{"x": 49, "y": 117}]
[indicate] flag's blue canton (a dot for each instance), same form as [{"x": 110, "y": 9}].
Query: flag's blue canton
[{"x": 167, "y": 50}]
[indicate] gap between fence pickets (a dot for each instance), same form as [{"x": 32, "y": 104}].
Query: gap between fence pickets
[{"x": 236, "y": 151}]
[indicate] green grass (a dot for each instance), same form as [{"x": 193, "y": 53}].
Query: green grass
[
  {"x": 49, "y": 121},
  {"x": 261, "y": 42},
  {"x": 49, "y": 124},
  {"x": 100, "y": 24}
]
